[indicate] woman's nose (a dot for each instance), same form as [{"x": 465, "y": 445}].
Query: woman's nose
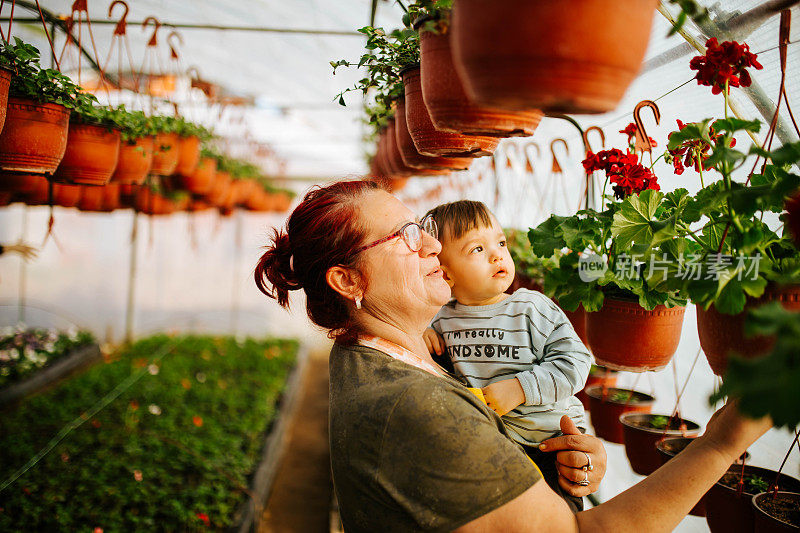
[{"x": 430, "y": 246}]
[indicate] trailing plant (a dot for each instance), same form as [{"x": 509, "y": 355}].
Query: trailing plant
[
  {"x": 33, "y": 82},
  {"x": 184, "y": 128}
]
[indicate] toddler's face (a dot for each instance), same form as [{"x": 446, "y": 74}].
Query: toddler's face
[{"x": 478, "y": 264}]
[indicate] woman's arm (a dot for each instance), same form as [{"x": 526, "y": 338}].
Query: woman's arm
[{"x": 657, "y": 503}]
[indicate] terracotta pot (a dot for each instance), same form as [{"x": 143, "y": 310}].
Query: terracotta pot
[
  {"x": 152, "y": 203},
  {"x": 38, "y": 190},
  {"x": 5, "y": 198},
  {"x": 111, "y": 197},
  {"x": 766, "y": 521},
  {"x": 188, "y": 155},
  {"x": 729, "y": 511},
  {"x": 165, "y": 154},
  {"x": 219, "y": 191},
  {"x": 449, "y": 106},
  {"x": 625, "y": 336},
  {"x": 383, "y": 165},
  {"x": 398, "y": 167},
  {"x": 201, "y": 179},
  {"x": 282, "y": 202},
  {"x": 91, "y": 156},
  {"x": 198, "y": 205},
  {"x": 66, "y": 195},
  {"x": 5, "y": 83},
  {"x": 641, "y": 439},
  {"x": 605, "y": 412},
  {"x": 34, "y": 138},
  {"x": 134, "y": 161},
  {"x": 560, "y": 57},
  {"x": 603, "y": 377},
  {"x": 411, "y": 157},
  {"x": 430, "y": 141},
  {"x": 91, "y": 198},
  {"x": 722, "y": 334}
]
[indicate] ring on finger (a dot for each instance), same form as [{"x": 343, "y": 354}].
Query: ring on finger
[
  {"x": 588, "y": 467},
  {"x": 585, "y": 481}
]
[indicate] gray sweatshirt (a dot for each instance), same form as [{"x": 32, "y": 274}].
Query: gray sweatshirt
[{"x": 526, "y": 336}]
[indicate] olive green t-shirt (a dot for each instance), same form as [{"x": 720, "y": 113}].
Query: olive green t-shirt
[{"x": 412, "y": 451}]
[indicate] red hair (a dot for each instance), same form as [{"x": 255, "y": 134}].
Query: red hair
[{"x": 321, "y": 232}]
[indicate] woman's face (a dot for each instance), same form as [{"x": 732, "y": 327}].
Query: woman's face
[{"x": 404, "y": 288}]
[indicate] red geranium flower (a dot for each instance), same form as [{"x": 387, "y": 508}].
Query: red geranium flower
[
  {"x": 630, "y": 131},
  {"x": 726, "y": 62},
  {"x": 204, "y": 518},
  {"x": 633, "y": 178},
  {"x": 692, "y": 153}
]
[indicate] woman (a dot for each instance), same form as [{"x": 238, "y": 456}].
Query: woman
[{"x": 411, "y": 448}]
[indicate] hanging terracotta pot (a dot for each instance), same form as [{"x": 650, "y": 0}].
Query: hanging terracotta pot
[
  {"x": 152, "y": 203},
  {"x": 282, "y": 202},
  {"x": 625, "y": 336},
  {"x": 188, "y": 155},
  {"x": 111, "y": 197},
  {"x": 91, "y": 155},
  {"x": 66, "y": 195},
  {"x": 165, "y": 154},
  {"x": 201, "y": 179},
  {"x": 219, "y": 191},
  {"x": 5, "y": 83},
  {"x": 427, "y": 139},
  {"x": 91, "y": 199},
  {"x": 730, "y": 510},
  {"x": 641, "y": 433},
  {"x": 397, "y": 167},
  {"x": 134, "y": 161},
  {"x": 597, "y": 376},
  {"x": 448, "y": 105},
  {"x": 5, "y": 198},
  {"x": 776, "y": 512},
  {"x": 380, "y": 156},
  {"x": 34, "y": 137},
  {"x": 37, "y": 191},
  {"x": 560, "y": 57},
  {"x": 411, "y": 157},
  {"x": 606, "y": 405},
  {"x": 721, "y": 334}
]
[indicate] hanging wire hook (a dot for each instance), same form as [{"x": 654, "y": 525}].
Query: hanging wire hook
[
  {"x": 170, "y": 36},
  {"x": 528, "y": 161},
  {"x": 156, "y": 25},
  {"x": 556, "y": 166},
  {"x": 643, "y": 143},
  {"x": 588, "y": 143},
  {"x": 122, "y": 24}
]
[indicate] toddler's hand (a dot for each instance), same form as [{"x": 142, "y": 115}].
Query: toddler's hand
[
  {"x": 433, "y": 341},
  {"x": 503, "y": 396}
]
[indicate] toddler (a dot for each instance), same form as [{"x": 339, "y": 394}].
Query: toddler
[{"x": 520, "y": 349}]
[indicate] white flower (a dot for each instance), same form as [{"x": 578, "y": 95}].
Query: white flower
[
  {"x": 30, "y": 353},
  {"x": 153, "y": 369},
  {"x": 200, "y": 377},
  {"x": 72, "y": 333},
  {"x": 154, "y": 409}
]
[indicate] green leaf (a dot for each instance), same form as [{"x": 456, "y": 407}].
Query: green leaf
[
  {"x": 547, "y": 237},
  {"x": 634, "y": 222},
  {"x": 733, "y": 124}
]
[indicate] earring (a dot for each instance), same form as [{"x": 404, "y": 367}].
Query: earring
[{"x": 358, "y": 302}]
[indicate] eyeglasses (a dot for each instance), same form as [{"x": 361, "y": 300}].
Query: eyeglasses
[{"x": 411, "y": 233}]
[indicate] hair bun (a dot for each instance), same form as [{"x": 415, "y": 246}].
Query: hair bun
[{"x": 274, "y": 275}]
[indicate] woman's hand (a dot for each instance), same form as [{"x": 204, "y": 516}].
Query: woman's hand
[{"x": 575, "y": 451}]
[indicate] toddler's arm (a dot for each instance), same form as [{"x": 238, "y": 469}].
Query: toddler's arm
[
  {"x": 564, "y": 366},
  {"x": 433, "y": 341}
]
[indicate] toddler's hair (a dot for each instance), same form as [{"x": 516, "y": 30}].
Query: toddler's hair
[{"x": 457, "y": 218}]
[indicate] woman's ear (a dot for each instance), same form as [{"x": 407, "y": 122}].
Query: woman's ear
[
  {"x": 446, "y": 277},
  {"x": 345, "y": 281}
]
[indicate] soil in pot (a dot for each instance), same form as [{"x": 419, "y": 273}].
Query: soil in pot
[
  {"x": 643, "y": 431},
  {"x": 91, "y": 155},
  {"x": 449, "y": 106},
  {"x": 412, "y": 157},
  {"x": 430, "y": 141},
  {"x": 729, "y": 511},
  {"x": 606, "y": 405},
  {"x": 598, "y": 375},
  {"x": 34, "y": 137},
  {"x": 560, "y": 57},
  {"x": 721, "y": 334},
  {"x": 622, "y": 335},
  {"x": 779, "y": 512}
]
